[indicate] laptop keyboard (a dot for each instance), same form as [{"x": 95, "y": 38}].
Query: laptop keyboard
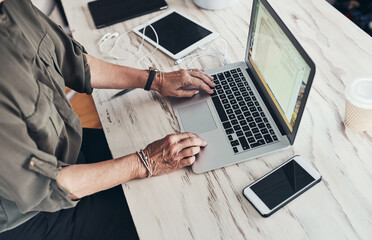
[{"x": 245, "y": 124}]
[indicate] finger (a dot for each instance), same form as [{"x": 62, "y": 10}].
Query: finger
[
  {"x": 188, "y": 152},
  {"x": 192, "y": 142},
  {"x": 202, "y": 70},
  {"x": 186, "y": 93},
  {"x": 174, "y": 138},
  {"x": 187, "y": 161},
  {"x": 196, "y": 82},
  {"x": 202, "y": 76}
]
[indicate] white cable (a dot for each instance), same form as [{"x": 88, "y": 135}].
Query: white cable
[
  {"x": 109, "y": 53},
  {"x": 156, "y": 47}
]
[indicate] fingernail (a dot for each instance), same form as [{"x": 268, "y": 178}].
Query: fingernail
[{"x": 196, "y": 92}]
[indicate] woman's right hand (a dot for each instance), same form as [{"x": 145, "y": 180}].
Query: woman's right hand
[{"x": 173, "y": 152}]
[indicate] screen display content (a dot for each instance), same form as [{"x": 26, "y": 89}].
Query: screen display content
[
  {"x": 282, "y": 184},
  {"x": 176, "y": 33},
  {"x": 279, "y": 65}
]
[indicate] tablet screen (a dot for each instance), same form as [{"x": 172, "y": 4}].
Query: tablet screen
[{"x": 176, "y": 32}]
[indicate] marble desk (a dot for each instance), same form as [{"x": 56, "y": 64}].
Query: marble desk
[{"x": 183, "y": 205}]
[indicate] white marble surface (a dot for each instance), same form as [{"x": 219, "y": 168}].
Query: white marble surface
[{"x": 183, "y": 205}]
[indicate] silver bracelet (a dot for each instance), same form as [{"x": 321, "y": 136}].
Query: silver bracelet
[{"x": 145, "y": 162}]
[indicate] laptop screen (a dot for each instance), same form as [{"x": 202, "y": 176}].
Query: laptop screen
[{"x": 283, "y": 71}]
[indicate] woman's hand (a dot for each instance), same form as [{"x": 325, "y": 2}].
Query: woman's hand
[
  {"x": 174, "y": 83},
  {"x": 173, "y": 152}
]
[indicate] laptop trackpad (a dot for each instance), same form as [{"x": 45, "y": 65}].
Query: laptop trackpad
[{"x": 197, "y": 118}]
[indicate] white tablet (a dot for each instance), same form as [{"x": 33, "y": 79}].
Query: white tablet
[{"x": 178, "y": 35}]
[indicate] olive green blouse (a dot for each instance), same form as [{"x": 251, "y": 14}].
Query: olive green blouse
[{"x": 40, "y": 133}]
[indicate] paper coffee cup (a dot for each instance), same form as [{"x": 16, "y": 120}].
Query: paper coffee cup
[{"x": 358, "y": 109}]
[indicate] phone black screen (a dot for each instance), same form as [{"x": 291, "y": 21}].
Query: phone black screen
[
  {"x": 282, "y": 184},
  {"x": 108, "y": 12},
  {"x": 176, "y": 32}
]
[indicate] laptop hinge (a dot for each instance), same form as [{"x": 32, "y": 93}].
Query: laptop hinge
[{"x": 281, "y": 129}]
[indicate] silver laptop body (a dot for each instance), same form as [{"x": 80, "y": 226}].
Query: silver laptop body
[{"x": 199, "y": 114}]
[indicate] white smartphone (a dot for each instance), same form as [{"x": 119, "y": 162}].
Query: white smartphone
[
  {"x": 177, "y": 34},
  {"x": 281, "y": 185}
]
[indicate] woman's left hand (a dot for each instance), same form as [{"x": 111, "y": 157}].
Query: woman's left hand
[{"x": 174, "y": 83}]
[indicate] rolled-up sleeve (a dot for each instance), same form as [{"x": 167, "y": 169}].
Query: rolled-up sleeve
[{"x": 28, "y": 175}]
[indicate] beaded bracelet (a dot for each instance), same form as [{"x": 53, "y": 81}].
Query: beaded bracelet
[{"x": 145, "y": 162}]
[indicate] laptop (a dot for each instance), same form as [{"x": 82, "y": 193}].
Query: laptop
[{"x": 257, "y": 105}]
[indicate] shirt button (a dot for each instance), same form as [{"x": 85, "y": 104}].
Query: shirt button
[{"x": 32, "y": 163}]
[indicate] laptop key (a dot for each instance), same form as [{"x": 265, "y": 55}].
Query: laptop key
[
  {"x": 240, "y": 117},
  {"x": 234, "y": 143},
  {"x": 235, "y": 76},
  {"x": 230, "y": 137},
  {"x": 229, "y": 131},
  {"x": 272, "y": 132},
  {"x": 234, "y": 122},
  {"x": 220, "y": 91},
  {"x": 227, "y": 74},
  {"x": 249, "y": 134},
  {"x": 230, "y": 80},
  {"x": 223, "y": 96},
  {"x": 221, "y": 76},
  {"x": 255, "y": 130},
  {"x": 224, "y": 101},
  {"x": 258, "y": 136},
  {"x": 242, "y": 122},
  {"x": 239, "y": 133},
  {"x": 261, "y": 125},
  {"x": 226, "y": 125},
  {"x": 275, "y": 138},
  {"x": 229, "y": 111},
  {"x": 232, "y": 84},
  {"x": 264, "y": 131},
  {"x": 226, "y": 87},
  {"x": 227, "y": 106},
  {"x": 244, "y": 108},
  {"x": 265, "y": 120},
  {"x": 252, "y": 124},
  {"x": 214, "y": 77},
  {"x": 228, "y": 92},
  {"x": 251, "y": 140},
  {"x": 258, "y": 143},
  {"x": 220, "y": 109},
  {"x": 232, "y": 116},
  {"x": 237, "y": 127},
  {"x": 268, "y": 138},
  {"x": 235, "y": 149},
  {"x": 247, "y": 114},
  {"x": 239, "y": 70},
  {"x": 255, "y": 114},
  {"x": 230, "y": 96},
  {"x": 245, "y": 94},
  {"x": 233, "y": 71},
  {"x": 224, "y": 82},
  {"x": 245, "y": 129},
  {"x": 244, "y": 143},
  {"x": 235, "y": 106},
  {"x": 241, "y": 103},
  {"x": 249, "y": 119},
  {"x": 240, "y": 98}
]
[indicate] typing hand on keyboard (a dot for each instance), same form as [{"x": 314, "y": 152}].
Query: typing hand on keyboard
[{"x": 174, "y": 83}]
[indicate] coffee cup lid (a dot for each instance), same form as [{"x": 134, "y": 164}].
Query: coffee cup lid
[{"x": 359, "y": 93}]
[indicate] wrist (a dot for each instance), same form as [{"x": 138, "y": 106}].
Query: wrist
[
  {"x": 156, "y": 84},
  {"x": 140, "y": 170}
]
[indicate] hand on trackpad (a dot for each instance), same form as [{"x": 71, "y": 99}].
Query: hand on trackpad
[{"x": 197, "y": 118}]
